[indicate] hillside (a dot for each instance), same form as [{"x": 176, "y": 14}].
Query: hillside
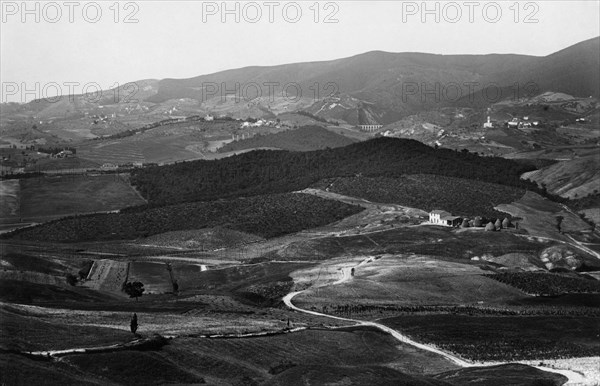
[
  {"x": 574, "y": 178},
  {"x": 305, "y": 138},
  {"x": 362, "y": 89},
  {"x": 266, "y": 216},
  {"x": 269, "y": 171},
  {"x": 459, "y": 196},
  {"x": 378, "y": 77}
]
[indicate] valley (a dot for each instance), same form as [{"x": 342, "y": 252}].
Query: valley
[{"x": 368, "y": 236}]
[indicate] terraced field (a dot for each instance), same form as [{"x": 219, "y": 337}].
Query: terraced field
[{"x": 107, "y": 275}]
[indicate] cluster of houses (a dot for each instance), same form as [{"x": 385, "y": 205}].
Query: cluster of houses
[
  {"x": 523, "y": 123},
  {"x": 127, "y": 165},
  {"x": 258, "y": 123},
  {"x": 443, "y": 218},
  {"x": 515, "y": 123},
  {"x": 100, "y": 118},
  {"x": 64, "y": 154}
]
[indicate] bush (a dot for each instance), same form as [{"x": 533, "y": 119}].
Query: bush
[
  {"x": 134, "y": 290},
  {"x": 71, "y": 279}
]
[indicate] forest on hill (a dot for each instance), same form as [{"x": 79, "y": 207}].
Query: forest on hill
[
  {"x": 459, "y": 196},
  {"x": 265, "y": 216},
  {"x": 274, "y": 171}
]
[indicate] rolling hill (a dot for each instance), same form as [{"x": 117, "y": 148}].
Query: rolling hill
[
  {"x": 305, "y": 138},
  {"x": 574, "y": 178},
  {"x": 272, "y": 171}
]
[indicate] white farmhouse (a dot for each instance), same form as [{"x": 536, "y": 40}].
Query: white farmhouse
[{"x": 441, "y": 217}]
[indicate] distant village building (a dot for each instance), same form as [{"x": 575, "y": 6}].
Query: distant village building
[
  {"x": 209, "y": 117},
  {"x": 514, "y": 122},
  {"x": 488, "y": 124},
  {"x": 108, "y": 166},
  {"x": 65, "y": 154},
  {"x": 370, "y": 128},
  {"x": 441, "y": 217}
]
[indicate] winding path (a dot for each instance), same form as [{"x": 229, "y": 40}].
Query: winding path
[{"x": 574, "y": 377}]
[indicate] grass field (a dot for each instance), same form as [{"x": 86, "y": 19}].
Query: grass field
[
  {"x": 50, "y": 197},
  {"x": 548, "y": 284},
  {"x": 262, "y": 357},
  {"x": 168, "y": 143},
  {"x": 504, "y": 338},
  {"x": 62, "y": 164},
  {"x": 260, "y": 284},
  {"x": 356, "y": 355},
  {"x": 542, "y": 217},
  {"x": 9, "y": 195},
  {"x": 441, "y": 242},
  {"x": 154, "y": 276},
  {"x": 23, "y": 331},
  {"x": 406, "y": 280}
]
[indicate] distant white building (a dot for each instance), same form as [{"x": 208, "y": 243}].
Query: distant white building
[
  {"x": 108, "y": 166},
  {"x": 488, "y": 124},
  {"x": 65, "y": 154},
  {"x": 209, "y": 117},
  {"x": 441, "y": 217}
]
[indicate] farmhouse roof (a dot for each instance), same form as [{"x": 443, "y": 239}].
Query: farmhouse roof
[{"x": 449, "y": 218}]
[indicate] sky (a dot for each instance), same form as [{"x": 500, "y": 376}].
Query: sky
[{"x": 73, "y": 44}]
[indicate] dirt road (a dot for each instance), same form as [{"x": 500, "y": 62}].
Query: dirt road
[{"x": 575, "y": 378}]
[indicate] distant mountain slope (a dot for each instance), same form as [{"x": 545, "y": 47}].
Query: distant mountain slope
[
  {"x": 575, "y": 178},
  {"x": 387, "y": 80},
  {"x": 303, "y": 139},
  {"x": 371, "y": 88}
]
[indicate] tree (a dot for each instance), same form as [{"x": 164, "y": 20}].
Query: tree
[
  {"x": 134, "y": 324},
  {"x": 134, "y": 290},
  {"x": 490, "y": 227},
  {"x": 71, "y": 279},
  {"x": 505, "y": 222}
]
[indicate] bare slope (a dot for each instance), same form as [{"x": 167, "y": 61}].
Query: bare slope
[{"x": 574, "y": 178}]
